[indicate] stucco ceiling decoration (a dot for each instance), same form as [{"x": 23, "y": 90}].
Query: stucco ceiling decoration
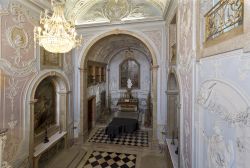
[
  {"x": 116, "y": 10},
  {"x": 105, "y": 11},
  {"x": 109, "y": 11}
]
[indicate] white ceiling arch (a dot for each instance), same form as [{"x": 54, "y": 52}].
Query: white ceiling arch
[{"x": 107, "y": 47}]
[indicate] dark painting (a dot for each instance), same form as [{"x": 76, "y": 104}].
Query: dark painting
[{"x": 45, "y": 107}]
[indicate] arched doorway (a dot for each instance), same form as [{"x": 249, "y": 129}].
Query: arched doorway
[{"x": 84, "y": 71}]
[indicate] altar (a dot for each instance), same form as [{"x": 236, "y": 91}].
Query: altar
[
  {"x": 128, "y": 105},
  {"x": 127, "y": 108}
]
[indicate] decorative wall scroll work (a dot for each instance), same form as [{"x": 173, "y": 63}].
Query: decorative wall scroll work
[
  {"x": 215, "y": 97},
  {"x": 15, "y": 32},
  {"x": 186, "y": 52},
  {"x": 17, "y": 37},
  {"x": 12, "y": 91}
]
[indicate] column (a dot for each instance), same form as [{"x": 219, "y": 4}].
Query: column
[
  {"x": 63, "y": 106},
  {"x": 107, "y": 88},
  {"x": 64, "y": 115},
  {"x": 31, "y": 144},
  {"x": 154, "y": 70},
  {"x": 83, "y": 104}
]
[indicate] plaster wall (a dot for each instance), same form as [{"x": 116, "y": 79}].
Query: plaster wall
[
  {"x": 223, "y": 110},
  {"x": 221, "y": 118},
  {"x": 19, "y": 68}
]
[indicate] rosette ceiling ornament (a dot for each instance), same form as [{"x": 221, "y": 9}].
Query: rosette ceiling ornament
[
  {"x": 57, "y": 35},
  {"x": 116, "y": 10}
]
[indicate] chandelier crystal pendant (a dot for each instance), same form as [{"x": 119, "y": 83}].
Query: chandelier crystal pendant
[{"x": 57, "y": 35}]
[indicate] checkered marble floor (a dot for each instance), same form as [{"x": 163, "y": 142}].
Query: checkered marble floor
[
  {"x": 99, "y": 159},
  {"x": 139, "y": 138}
]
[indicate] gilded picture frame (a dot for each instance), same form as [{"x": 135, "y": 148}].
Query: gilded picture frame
[{"x": 50, "y": 60}]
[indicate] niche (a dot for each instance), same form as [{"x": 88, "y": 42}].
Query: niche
[
  {"x": 45, "y": 110},
  {"x": 173, "y": 107}
]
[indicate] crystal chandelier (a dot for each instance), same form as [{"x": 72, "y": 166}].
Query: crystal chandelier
[{"x": 57, "y": 34}]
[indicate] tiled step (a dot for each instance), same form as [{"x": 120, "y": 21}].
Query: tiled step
[{"x": 70, "y": 158}]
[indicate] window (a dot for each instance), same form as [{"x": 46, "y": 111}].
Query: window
[{"x": 130, "y": 69}]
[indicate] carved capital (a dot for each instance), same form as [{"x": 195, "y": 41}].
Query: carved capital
[
  {"x": 155, "y": 67},
  {"x": 83, "y": 69},
  {"x": 64, "y": 92},
  {"x": 33, "y": 101}
]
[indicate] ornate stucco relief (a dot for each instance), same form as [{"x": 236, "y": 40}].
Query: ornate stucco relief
[
  {"x": 185, "y": 64},
  {"x": 18, "y": 39},
  {"x": 18, "y": 64},
  {"x": 95, "y": 11},
  {"x": 215, "y": 97},
  {"x": 116, "y": 10},
  {"x": 242, "y": 151},
  {"x": 186, "y": 52},
  {"x": 220, "y": 152}
]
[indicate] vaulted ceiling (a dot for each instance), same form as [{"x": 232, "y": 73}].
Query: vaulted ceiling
[
  {"x": 111, "y": 11},
  {"x": 109, "y": 46}
]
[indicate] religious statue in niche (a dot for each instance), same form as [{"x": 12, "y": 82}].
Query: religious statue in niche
[
  {"x": 45, "y": 107},
  {"x": 129, "y": 74},
  {"x": 50, "y": 60},
  {"x": 129, "y": 84}
]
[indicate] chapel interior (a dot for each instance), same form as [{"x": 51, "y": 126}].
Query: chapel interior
[{"x": 124, "y": 83}]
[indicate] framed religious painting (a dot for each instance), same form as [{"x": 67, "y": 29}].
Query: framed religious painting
[
  {"x": 50, "y": 60},
  {"x": 130, "y": 71}
]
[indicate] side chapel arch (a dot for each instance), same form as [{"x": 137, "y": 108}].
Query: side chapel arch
[
  {"x": 83, "y": 76},
  {"x": 137, "y": 76}
]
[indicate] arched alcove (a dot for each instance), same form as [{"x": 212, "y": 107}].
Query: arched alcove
[
  {"x": 39, "y": 102},
  {"x": 84, "y": 71},
  {"x": 46, "y": 117},
  {"x": 173, "y": 98}
]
